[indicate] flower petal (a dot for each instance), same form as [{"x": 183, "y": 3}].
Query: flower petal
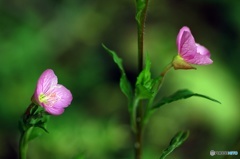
[
  {"x": 202, "y": 50},
  {"x": 199, "y": 59},
  {"x": 179, "y": 36},
  {"x": 188, "y": 47},
  {"x": 202, "y": 57},
  {"x": 54, "y": 111},
  {"x": 46, "y": 81},
  {"x": 59, "y": 96}
]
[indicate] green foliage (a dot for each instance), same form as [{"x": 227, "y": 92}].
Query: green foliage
[
  {"x": 124, "y": 82},
  {"x": 144, "y": 82},
  {"x": 35, "y": 117},
  {"x": 146, "y": 86},
  {"x": 176, "y": 141},
  {"x": 181, "y": 94}
]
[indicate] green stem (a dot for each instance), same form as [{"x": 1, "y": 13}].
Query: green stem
[
  {"x": 23, "y": 143},
  {"x": 139, "y": 111},
  {"x": 148, "y": 110},
  {"x": 141, "y": 27},
  {"x": 166, "y": 69},
  {"x": 134, "y": 115}
]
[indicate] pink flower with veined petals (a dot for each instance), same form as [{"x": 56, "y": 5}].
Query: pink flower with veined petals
[
  {"x": 53, "y": 97},
  {"x": 189, "y": 52}
]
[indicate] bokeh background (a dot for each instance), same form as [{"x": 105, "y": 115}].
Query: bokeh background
[{"x": 66, "y": 36}]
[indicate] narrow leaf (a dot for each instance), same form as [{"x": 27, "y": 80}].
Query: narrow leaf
[
  {"x": 176, "y": 141},
  {"x": 181, "y": 94},
  {"x": 124, "y": 83}
]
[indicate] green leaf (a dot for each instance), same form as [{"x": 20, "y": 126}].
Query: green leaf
[
  {"x": 144, "y": 82},
  {"x": 124, "y": 83},
  {"x": 142, "y": 92},
  {"x": 181, "y": 94},
  {"x": 146, "y": 86},
  {"x": 141, "y": 5},
  {"x": 176, "y": 141},
  {"x": 42, "y": 122}
]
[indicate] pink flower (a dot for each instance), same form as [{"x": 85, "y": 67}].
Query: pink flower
[
  {"x": 190, "y": 52},
  {"x": 53, "y": 97}
]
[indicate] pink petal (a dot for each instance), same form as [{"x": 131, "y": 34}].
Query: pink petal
[
  {"x": 46, "y": 81},
  {"x": 64, "y": 95},
  {"x": 179, "y": 36},
  {"x": 199, "y": 59},
  {"x": 202, "y": 57},
  {"x": 60, "y": 97},
  {"x": 202, "y": 50},
  {"x": 188, "y": 47},
  {"x": 54, "y": 111}
]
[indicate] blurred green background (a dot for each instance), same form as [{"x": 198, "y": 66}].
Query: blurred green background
[{"x": 66, "y": 36}]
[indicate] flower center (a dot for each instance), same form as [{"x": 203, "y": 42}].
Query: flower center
[
  {"x": 42, "y": 98},
  {"x": 48, "y": 99}
]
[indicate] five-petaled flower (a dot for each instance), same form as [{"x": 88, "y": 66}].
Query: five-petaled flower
[
  {"x": 189, "y": 52},
  {"x": 53, "y": 97}
]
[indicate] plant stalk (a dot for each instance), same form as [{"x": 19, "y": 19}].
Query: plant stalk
[
  {"x": 23, "y": 143},
  {"x": 139, "y": 112}
]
